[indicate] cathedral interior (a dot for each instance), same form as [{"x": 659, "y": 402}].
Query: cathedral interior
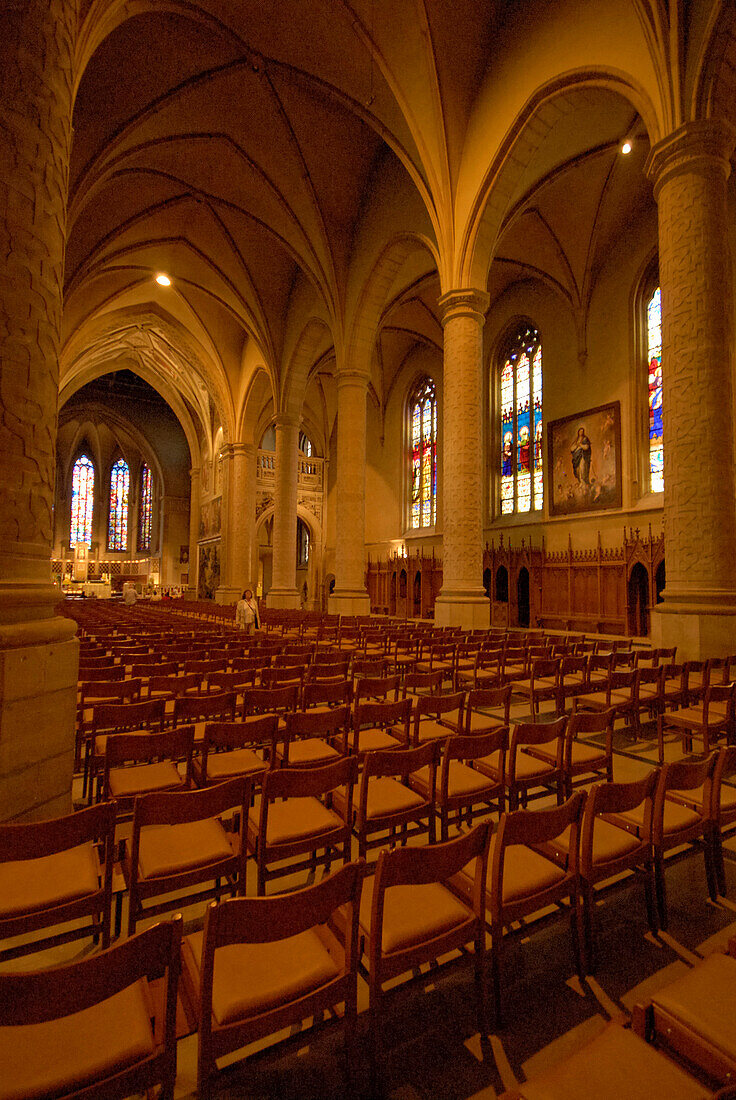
[{"x": 408, "y": 318}]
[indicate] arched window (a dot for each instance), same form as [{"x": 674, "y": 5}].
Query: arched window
[
  {"x": 117, "y": 528},
  {"x": 302, "y": 544},
  {"x": 83, "y": 491},
  {"x": 146, "y": 509},
  {"x": 305, "y": 444},
  {"x": 654, "y": 361},
  {"x": 522, "y": 458},
  {"x": 422, "y": 410}
]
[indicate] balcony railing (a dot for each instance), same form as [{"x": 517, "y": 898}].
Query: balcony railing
[{"x": 310, "y": 471}]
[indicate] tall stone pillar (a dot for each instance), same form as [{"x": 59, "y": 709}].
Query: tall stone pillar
[
  {"x": 283, "y": 593},
  {"x": 38, "y": 650},
  {"x": 350, "y": 596},
  {"x": 462, "y": 601},
  {"x": 689, "y": 170},
  {"x": 240, "y": 518},
  {"x": 194, "y": 477}
]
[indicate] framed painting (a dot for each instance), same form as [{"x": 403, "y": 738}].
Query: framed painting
[{"x": 584, "y": 461}]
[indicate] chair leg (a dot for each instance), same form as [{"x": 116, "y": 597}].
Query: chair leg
[
  {"x": 710, "y": 865},
  {"x": 649, "y": 896},
  {"x": 719, "y": 862},
  {"x": 480, "y": 982},
  {"x": 375, "y": 1036},
  {"x": 575, "y": 933},
  {"x": 496, "y": 948},
  {"x": 589, "y": 943},
  {"x": 351, "y": 1027},
  {"x": 660, "y": 889}
]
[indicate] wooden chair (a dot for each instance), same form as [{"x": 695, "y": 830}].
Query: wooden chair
[
  {"x": 387, "y": 801},
  {"x": 292, "y": 818},
  {"x": 614, "y": 1065},
  {"x": 412, "y": 911},
  {"x": 378, "y": 726},
  {"x": 198, "y": 709},
  {"x": 573, "y": 678},
  {"x": 56, "y": 871},
  {"x": 138, "y": 763},
  {"x": 111, "y": 718},
  {"x": 419, "y": 685},
  {"x": 375, "y": 688},
  {"x": 320, "y": 696},
  {"x": 712, "y": 717},
  {"x": 524, "y": 768},
  {"x": 262, "y": 964},
  {"x": 462, "y": 787},
  {"x": 673, "y": 691},
  {"x": 179, "y": 842},
  {"x": 232, "y": 749},
  {"x": 522, "y": 881},
  {"x": 313, "y": 737},
  {"x": 428, "y": 721},
  {"x": 486, "y": 710},
  {"x": 487, "y": 669},
  {"x": 85, "y": 1029},
  {"x": 279, "y": 700},
  {"x": 723, "y": 800},
  {"x": 582, "y": 760},
  {"x": 543, "y": 683},
  {"x": 608, "y": 847},
  {"x": 692, "y": 1017},
  {"x": 683, "y": 813}
]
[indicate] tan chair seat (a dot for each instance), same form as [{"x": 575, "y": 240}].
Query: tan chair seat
[
  {"x": 312, "y": 750},
  {"x": 676, "y": 817},
  {"x": 691, "y": 717},
  {"x": 388, "y": 796},
  {"x": 449, "y": 720},
  {"x": 140, "y": 778},
  {"x": 648, "y": 691},
  {"x": 52, "y": 1058},
  {"x": 527, "y": 767},
  {"x": 432, "y": 730},
  {"x": 489, "y": 720},
  {"x": 29, "y": 885},
  {"x": 371, "y": 739},
  {"x": 609, "y": 842},
  {"x": 704, "y": 999},
  {"x": 225, "y": 765},
  {"x": 250, "y": 978},
  {"x": 462, "y": 780},
  {"x": 615, "y": 1066},
  {"x": 295, "y": 819},
  {"x": 525, "y": 872},
  {"x": 165, "y": 849},
  {"x": 580, "y": 753},
  {"x": 413, "y": 914}
]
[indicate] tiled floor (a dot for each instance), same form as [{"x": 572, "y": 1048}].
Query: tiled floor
[{"x": 431, "y": 1044}]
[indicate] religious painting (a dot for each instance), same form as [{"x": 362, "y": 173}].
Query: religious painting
[
  {"x": 585, "y": 461},
  {"x": 183, "y": 555},
  {"x": 210, "y": 518},
  {"x": 209, "y": 571}
]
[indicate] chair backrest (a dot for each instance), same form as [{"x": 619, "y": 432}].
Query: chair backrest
[
  {"x": 440, "y": 704},
  {"x": 128, "y": 690},
  {"x": 35, "y": 839},
  {"x": 546, "y": 667},
  {"x": 330, "y": 693},
  {"x": 311, "y": 782},
  {"x": 138, "y": 748},
  {"x": 292, "y": 660},
  {"x": 572, "y": 664},
  {"x": 266, "y": 700},
  {"x": 624, "y": 679},
  {"x": 376, "y": 687},
  {"x": 129, "y": 716},
  {"x": 721, "y": 693},
  {"x": 616, "y": 798},
  {"x": 45, "y": 995},
  {"x": 600, "y": 662},
  {"x": 381, "y": 715},
  {"x": 252, "y": 663},
  {"x": 274, "y": 677},
  {"x": 308, "y": 724},
  {"x": 155, "y": 668},
  {"x": 175, "y": 685},
  {"x": 534, "y": 827},
  {"x": 724, "y": 766},
  {"x": 323, "y": 670},
  {"x": 182, "y": 807},
  {"x": 193, "y": 708},
  {"x": 685, "y": 775},
  {"x": 430, "y": 682},
  {"x": 106, "y": 671},
  {"x": 473, "y": 746},
  {"x": 400, "y": 762},
  {"x": 239, "y": 735},
  {"x": 231, "y": 681},
  {"x": 587, "y": 722},
  {"x": 490, "y": 697}
]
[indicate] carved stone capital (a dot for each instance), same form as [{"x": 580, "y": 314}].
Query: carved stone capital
[
  {"x": 468, "y": 302},
  {"x": 703, "y": 146},
  {"x": 356, "y": 379}
]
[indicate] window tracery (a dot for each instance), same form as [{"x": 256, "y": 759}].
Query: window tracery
[
  {"x": 422, "y": 413},
  {"x": 83, "y": 488},
  {"x": 146, "y": 509},
  {"x": 522, "y": 451},
  {"x": 117, "y": 529}
]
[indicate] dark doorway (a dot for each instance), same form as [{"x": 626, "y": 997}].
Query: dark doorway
[
  {"x": 659, "y": 582},
  {"x": 522, "y": 596},
  {"x": 487, "y": 579},
  {"x": 418, "y": 596},
  {"x": 639, "y": 600},
  {"x": 502, "y": 584},
  {"x": 392, "y": 596}
]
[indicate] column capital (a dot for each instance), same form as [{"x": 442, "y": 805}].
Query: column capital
[
  {"x": 286, "y": 421},
  {"x": 467, "y": 302},
  {"x": 237, "y": 450},
  {"x": 357, "y": 378},
  {"x": 702, "y": 146},
  {"x": 194, "y": 472}
]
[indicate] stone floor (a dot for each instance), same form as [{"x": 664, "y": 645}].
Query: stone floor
[{"x": 432, "y": 1046}]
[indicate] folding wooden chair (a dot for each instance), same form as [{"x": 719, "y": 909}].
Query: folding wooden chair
[
  {"x": 462, "y": 787},
  {"x": 138, "y": 763},
  {"x": 313, "y": 737},
  {"x": 232, "y": 749},
  {"x": 378, "y": 726}
]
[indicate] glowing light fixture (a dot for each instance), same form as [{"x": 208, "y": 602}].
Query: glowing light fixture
[
  {"x": 163, "y": 280},
  {"x": 626, "y": 148}
]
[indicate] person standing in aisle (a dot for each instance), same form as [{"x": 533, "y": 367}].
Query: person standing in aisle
[{"x": 246, "y": 613}]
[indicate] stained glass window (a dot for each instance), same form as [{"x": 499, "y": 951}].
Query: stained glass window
[
  {"x": 654, "y": 359},
  {"x": 146, "y": 509},
  {"x": 522, "y": 452},
  {"x": 83, "y": 490},
  {"x": 305, "y": 444},
  {"x": 423, "y": 444},
  {"x": 117, "y": 528}
]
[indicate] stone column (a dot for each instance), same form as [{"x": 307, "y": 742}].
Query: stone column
[
  {"x": 191, "y": 591},
  {"x": 350, "y": 596},
  {"x": 283, "y": 591},
  {"x": 239, "y": 521},
  {"x": 689, "y": 170},
  {"x": 38, "y": 650},
  {"x": 462, "y": 601}
]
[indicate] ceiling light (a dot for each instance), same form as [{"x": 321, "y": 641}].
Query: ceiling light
[
  {"x": 163, "y": 280},
  {"x": 626, "y": 148}
]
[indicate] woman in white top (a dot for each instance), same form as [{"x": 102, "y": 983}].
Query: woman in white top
[{"x": 246, "y": 613}]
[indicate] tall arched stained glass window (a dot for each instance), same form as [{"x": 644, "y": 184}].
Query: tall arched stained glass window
[
  {"x": 146, "y": 509},
  {"x": 522, "y": 452},
  {"x": 117, "y": 528},
  {"x": 654, "y": 359},
  {"x": 423, "y": 444},
  {"x": 83, "y": 491}
]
